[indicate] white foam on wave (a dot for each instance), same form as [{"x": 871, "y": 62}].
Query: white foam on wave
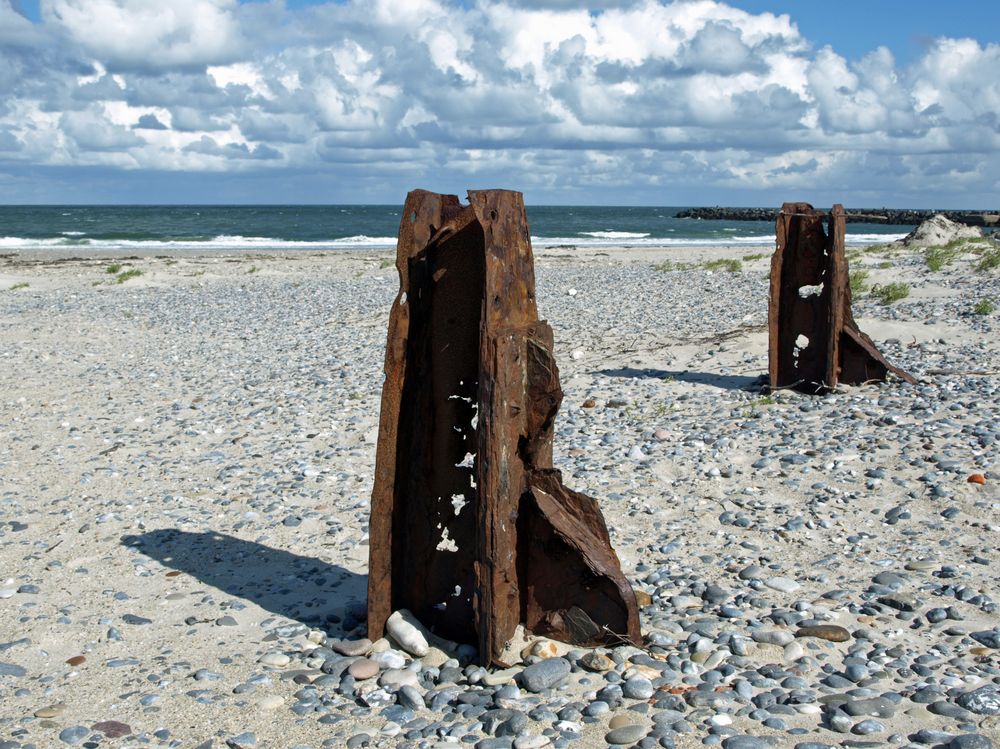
[
  {"x": 362, "y": 241},
  {"x": 872, "y": 238},
  {"x": 221, "y": 242},
  {"x": 615, "y": 234},
  {"x": 754, "y": 240},
  {"x": 648, "y": 241}
]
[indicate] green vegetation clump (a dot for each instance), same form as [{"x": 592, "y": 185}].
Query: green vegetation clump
[
  {"x": 961, "y": 244},
  {"x": 22, "y": 285},
  {"x": 938, "y": 257},
  {"x": 253, "y": 269},
  {"x": 890, "y": 292},
  {"x": 113, "y": 269},
  {"x": 881, "y": 248},
  {"x": 985, "y": 307},
  {"x": 125, "y": 275},
  {"x": 732, "y": 265},
  {"x": 989, "y": 260},
  {"x": 857, "y": 280},
  {"x": 758, "y": 256},
  {"x": 668, "y": 265}
]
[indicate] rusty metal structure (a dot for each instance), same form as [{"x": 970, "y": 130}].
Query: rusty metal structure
[
  {"x": 471, "y": 527},
  {"x": 814, "y": 343}
]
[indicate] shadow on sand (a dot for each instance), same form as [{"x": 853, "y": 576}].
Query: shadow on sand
[
  {"x": 300, "y": 588},
  {"x": 725, "y": 382}
]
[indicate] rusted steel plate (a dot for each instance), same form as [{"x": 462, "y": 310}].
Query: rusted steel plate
[
  {"x": 570, "y": 564},
  {"x": 813, "y": 341},
  {"x": 464, "y": 464}
]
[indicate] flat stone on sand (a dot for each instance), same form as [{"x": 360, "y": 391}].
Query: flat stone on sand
[{"x": 831, "y": 632}]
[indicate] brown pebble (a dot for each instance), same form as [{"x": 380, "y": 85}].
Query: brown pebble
[
  {"x": 977, "y": 478},
  {"x": 351, "y": 647},
  {"x": 113, "y": 729},
  {"x": 830, "y": 632},
  {"x": 52, "y": 711},
  {"x": 76, "y": 660},
  {"x": 621, "y": 720},
  {"x": 363, "y": 668},
  {"x": 642, "y": 598},
  {"x": 597, "y": 662},
  {"x": 174, "y": 573},
  {"x": 589, "y": 403}
]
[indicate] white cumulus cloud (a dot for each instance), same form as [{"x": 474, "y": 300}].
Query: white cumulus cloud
[{"x": 555, "y": 96}]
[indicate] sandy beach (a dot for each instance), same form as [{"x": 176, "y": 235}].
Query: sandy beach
[{"x": 186, "y": 458}]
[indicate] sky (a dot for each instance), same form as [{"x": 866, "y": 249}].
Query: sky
[{"x": 626, "y": 102}]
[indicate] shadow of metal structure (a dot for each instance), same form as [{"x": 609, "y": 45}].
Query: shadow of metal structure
[{"x": 301, "y": 588}]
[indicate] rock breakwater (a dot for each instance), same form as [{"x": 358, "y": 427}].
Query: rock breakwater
[{"x": 894, "y": 216}]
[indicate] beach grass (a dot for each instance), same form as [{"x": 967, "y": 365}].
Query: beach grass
[
  {"x": 729, "y": 264},
  {"x": 938, "y": 257},
  {"x": 989, "y": 259},
  {"x": 890, "y": 292},
  {"x": 985, "y": 306},
  {"x": 857, "y": 280},
  {"x": 126, "y": 275}
]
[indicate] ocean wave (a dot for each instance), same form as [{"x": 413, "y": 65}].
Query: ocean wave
[
  {"x": 648, "y": 241},
  {"x": 220, "y": 242},
  {"x": 363, "y": 241},
  {"x": 753, "y": 240},
  {"x": 872, "y": 238},
  {"x": 615, "y": 234}
]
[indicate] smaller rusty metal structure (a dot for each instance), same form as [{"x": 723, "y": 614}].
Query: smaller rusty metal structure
[
  {"x": 471, "y": 527},
  {"x": 814, "y": 343}
]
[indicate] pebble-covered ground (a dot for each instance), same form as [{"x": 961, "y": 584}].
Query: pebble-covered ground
[{"x": 186, "y": 459}]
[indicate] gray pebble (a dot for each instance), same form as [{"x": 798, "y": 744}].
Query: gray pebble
[
  {"x": 74, "y": 734},
  {"x": 982, "y": 701},
  {"x": 970, "y": 741},
  {"x": 625, "y": 734},
  {"x": 12, "y": 669},
  {"x": 744, "y": 742},
  {"x": 638, "y": 688},
  {"x": 545, "y": 674},
  {"x": 866, "y": 727}
]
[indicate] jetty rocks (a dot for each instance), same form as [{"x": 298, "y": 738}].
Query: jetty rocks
[{"x": 899, "y": 216}]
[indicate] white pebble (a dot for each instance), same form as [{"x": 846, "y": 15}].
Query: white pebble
[
  {"x": 274, "y": 659},
  {"x": 403, "y": 627},
  {"x": 793, "y": 651}
]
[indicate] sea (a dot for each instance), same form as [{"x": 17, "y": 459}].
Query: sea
[{"x": 351, "y": 227}]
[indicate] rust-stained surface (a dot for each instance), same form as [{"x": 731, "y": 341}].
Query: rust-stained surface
[
  {"x": 814, "y": 343},
  {"x": 471, "y": 527}
]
